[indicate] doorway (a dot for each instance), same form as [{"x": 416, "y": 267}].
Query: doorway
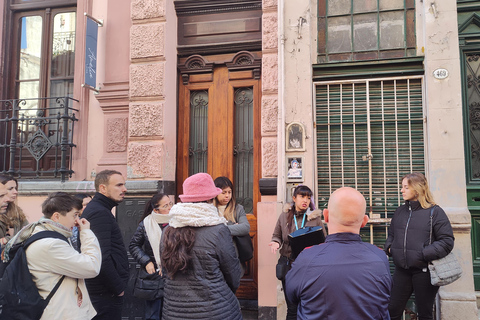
[{"x": 219, "y": 133}]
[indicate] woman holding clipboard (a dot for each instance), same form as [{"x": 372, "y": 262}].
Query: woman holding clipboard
[{"x": 300, "y": 214}]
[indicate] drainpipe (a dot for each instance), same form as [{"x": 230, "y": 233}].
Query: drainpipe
[{"x": 281, "y": 181}]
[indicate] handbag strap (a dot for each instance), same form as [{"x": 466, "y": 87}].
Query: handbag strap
[{"x": 431, "y": 223}]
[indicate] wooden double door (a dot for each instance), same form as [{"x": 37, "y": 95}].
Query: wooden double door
[{"x": 219, "y": 133}]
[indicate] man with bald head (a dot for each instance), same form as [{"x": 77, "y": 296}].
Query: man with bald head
[{"x": 343, "y": 278}]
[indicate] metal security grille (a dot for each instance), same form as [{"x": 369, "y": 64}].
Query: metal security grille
[
  {"x": 370, "y": 133},
  {"x": 243, "y": 148},
  {"x": 198, "y": 148}
]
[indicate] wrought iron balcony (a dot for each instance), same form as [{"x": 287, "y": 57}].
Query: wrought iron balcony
[{"x": 36, "y": 137}]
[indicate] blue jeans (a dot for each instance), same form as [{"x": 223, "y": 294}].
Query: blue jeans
[{"x": 153, "y": 309}]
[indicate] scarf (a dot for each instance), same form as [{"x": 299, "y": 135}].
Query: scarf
[
  {"x": 154, "y": 233},
  {"x": 199, "y": 214},
  {"x": 27, "y": 232},
  {"x": 221, "y": 210}
]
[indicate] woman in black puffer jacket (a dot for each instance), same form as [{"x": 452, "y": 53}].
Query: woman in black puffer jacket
[
  {"x": 145, "y": 249},
  {"x": 408, "y": 243},
  {"x": 203, "y": 271}
]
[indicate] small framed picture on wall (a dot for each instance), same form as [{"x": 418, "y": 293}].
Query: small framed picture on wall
[
  {"x": 295, "y": 169},
  {"x": 295, "y": 137}
]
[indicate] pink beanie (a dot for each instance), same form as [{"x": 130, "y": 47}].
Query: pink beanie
[{"x": 199, "y": 187}]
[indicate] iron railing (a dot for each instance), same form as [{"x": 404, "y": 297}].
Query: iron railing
[{"x": 36, "y": 137}]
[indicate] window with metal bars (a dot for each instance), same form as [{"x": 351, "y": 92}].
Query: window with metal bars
[{"x": 369, "y": 133}]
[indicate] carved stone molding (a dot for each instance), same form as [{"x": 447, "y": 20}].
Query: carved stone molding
[
  {"x": 193, "y": 65},
  {"x": 117, "y": 129},
  {"x": 113, "y": 96}
]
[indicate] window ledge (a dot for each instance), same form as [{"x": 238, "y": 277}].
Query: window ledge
[{"x": 134, "y": 187}]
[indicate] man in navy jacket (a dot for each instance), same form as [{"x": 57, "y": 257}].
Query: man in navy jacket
[
  {"x": 343, "y": 278},
  {"x": 107, "y": 289}
]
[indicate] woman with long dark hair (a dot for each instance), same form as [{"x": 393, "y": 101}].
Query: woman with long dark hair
[
  {"x": 14, "y": 219},
  {"x": 299, "y": 214},
  {"x": 198, "y": 255},
  {"x": 145, "y": 249},
  {"x": 409, "y": 244}
]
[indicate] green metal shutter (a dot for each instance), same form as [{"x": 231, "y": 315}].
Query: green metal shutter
[{"x": 370, "y": 133}]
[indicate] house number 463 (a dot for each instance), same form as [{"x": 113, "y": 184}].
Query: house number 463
[{"x": 440, "y": 73}]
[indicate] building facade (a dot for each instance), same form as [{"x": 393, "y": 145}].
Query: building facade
[{"x": 270, "y": 93}]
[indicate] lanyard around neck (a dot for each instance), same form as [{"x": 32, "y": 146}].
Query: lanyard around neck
[{"x": 303, "y": 221}]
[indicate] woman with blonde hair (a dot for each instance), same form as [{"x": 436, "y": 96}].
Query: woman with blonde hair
[
  {"x": 409, "y": 244},
  {"x": 228, "y": 208}
]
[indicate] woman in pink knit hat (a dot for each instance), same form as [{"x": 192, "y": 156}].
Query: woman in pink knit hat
[{"x": 198, "y": 255}]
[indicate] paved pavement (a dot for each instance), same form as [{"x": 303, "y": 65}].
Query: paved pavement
[
  {"x": 249, "y": 309},
  {"x": 249, "y": 314}
]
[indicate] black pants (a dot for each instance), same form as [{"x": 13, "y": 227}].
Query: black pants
[
  {"x": 108, "y": 307},
  {"x": 406, "y": 281},
  {"x": 291, "y": 307}
]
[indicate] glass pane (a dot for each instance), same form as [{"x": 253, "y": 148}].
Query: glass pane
[
  {"x": 339, "y": 35},
  {"x": 339, "y": 7},
  {"x": 364, "y": 6},
  {"x": 60, "y": 88},
  {"x": 365, "y": 32},
  {"x": 30, "y": 47},
  {"x": 243, "y": 149},
  {"x": 392, "y": 30},
  {"x": 391, "y": 4},
  {"x": 63, "y": 46},
  {"x": 28, "y": 108},
  {"x": 29, "y": 90},
  {"x": 198, "y": 131}
]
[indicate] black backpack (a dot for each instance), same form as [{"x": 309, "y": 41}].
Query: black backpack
[{"x": 19, "y": 297}]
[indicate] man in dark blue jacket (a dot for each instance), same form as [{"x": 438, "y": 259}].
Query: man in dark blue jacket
[
  {"x": 343, "y": 278},
  {"x": 107, "y": 289}
]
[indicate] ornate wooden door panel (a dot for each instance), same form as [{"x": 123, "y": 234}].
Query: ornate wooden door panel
[{"x": 219, "y": 133}]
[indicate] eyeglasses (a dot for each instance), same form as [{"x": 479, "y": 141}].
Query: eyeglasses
[{"x": 168, "y": 205}]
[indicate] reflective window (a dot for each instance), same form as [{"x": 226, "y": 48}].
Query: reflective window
[{"x": 351, "y": 30}]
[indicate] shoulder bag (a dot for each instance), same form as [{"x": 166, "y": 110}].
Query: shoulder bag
[
  {"x": 148, "y": 286},
  {"x": 244, "y": 247},
  {"x": 445, "y": 270}
]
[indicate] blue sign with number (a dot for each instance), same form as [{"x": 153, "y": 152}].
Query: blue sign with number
[{"x": 91, "y": 53}]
